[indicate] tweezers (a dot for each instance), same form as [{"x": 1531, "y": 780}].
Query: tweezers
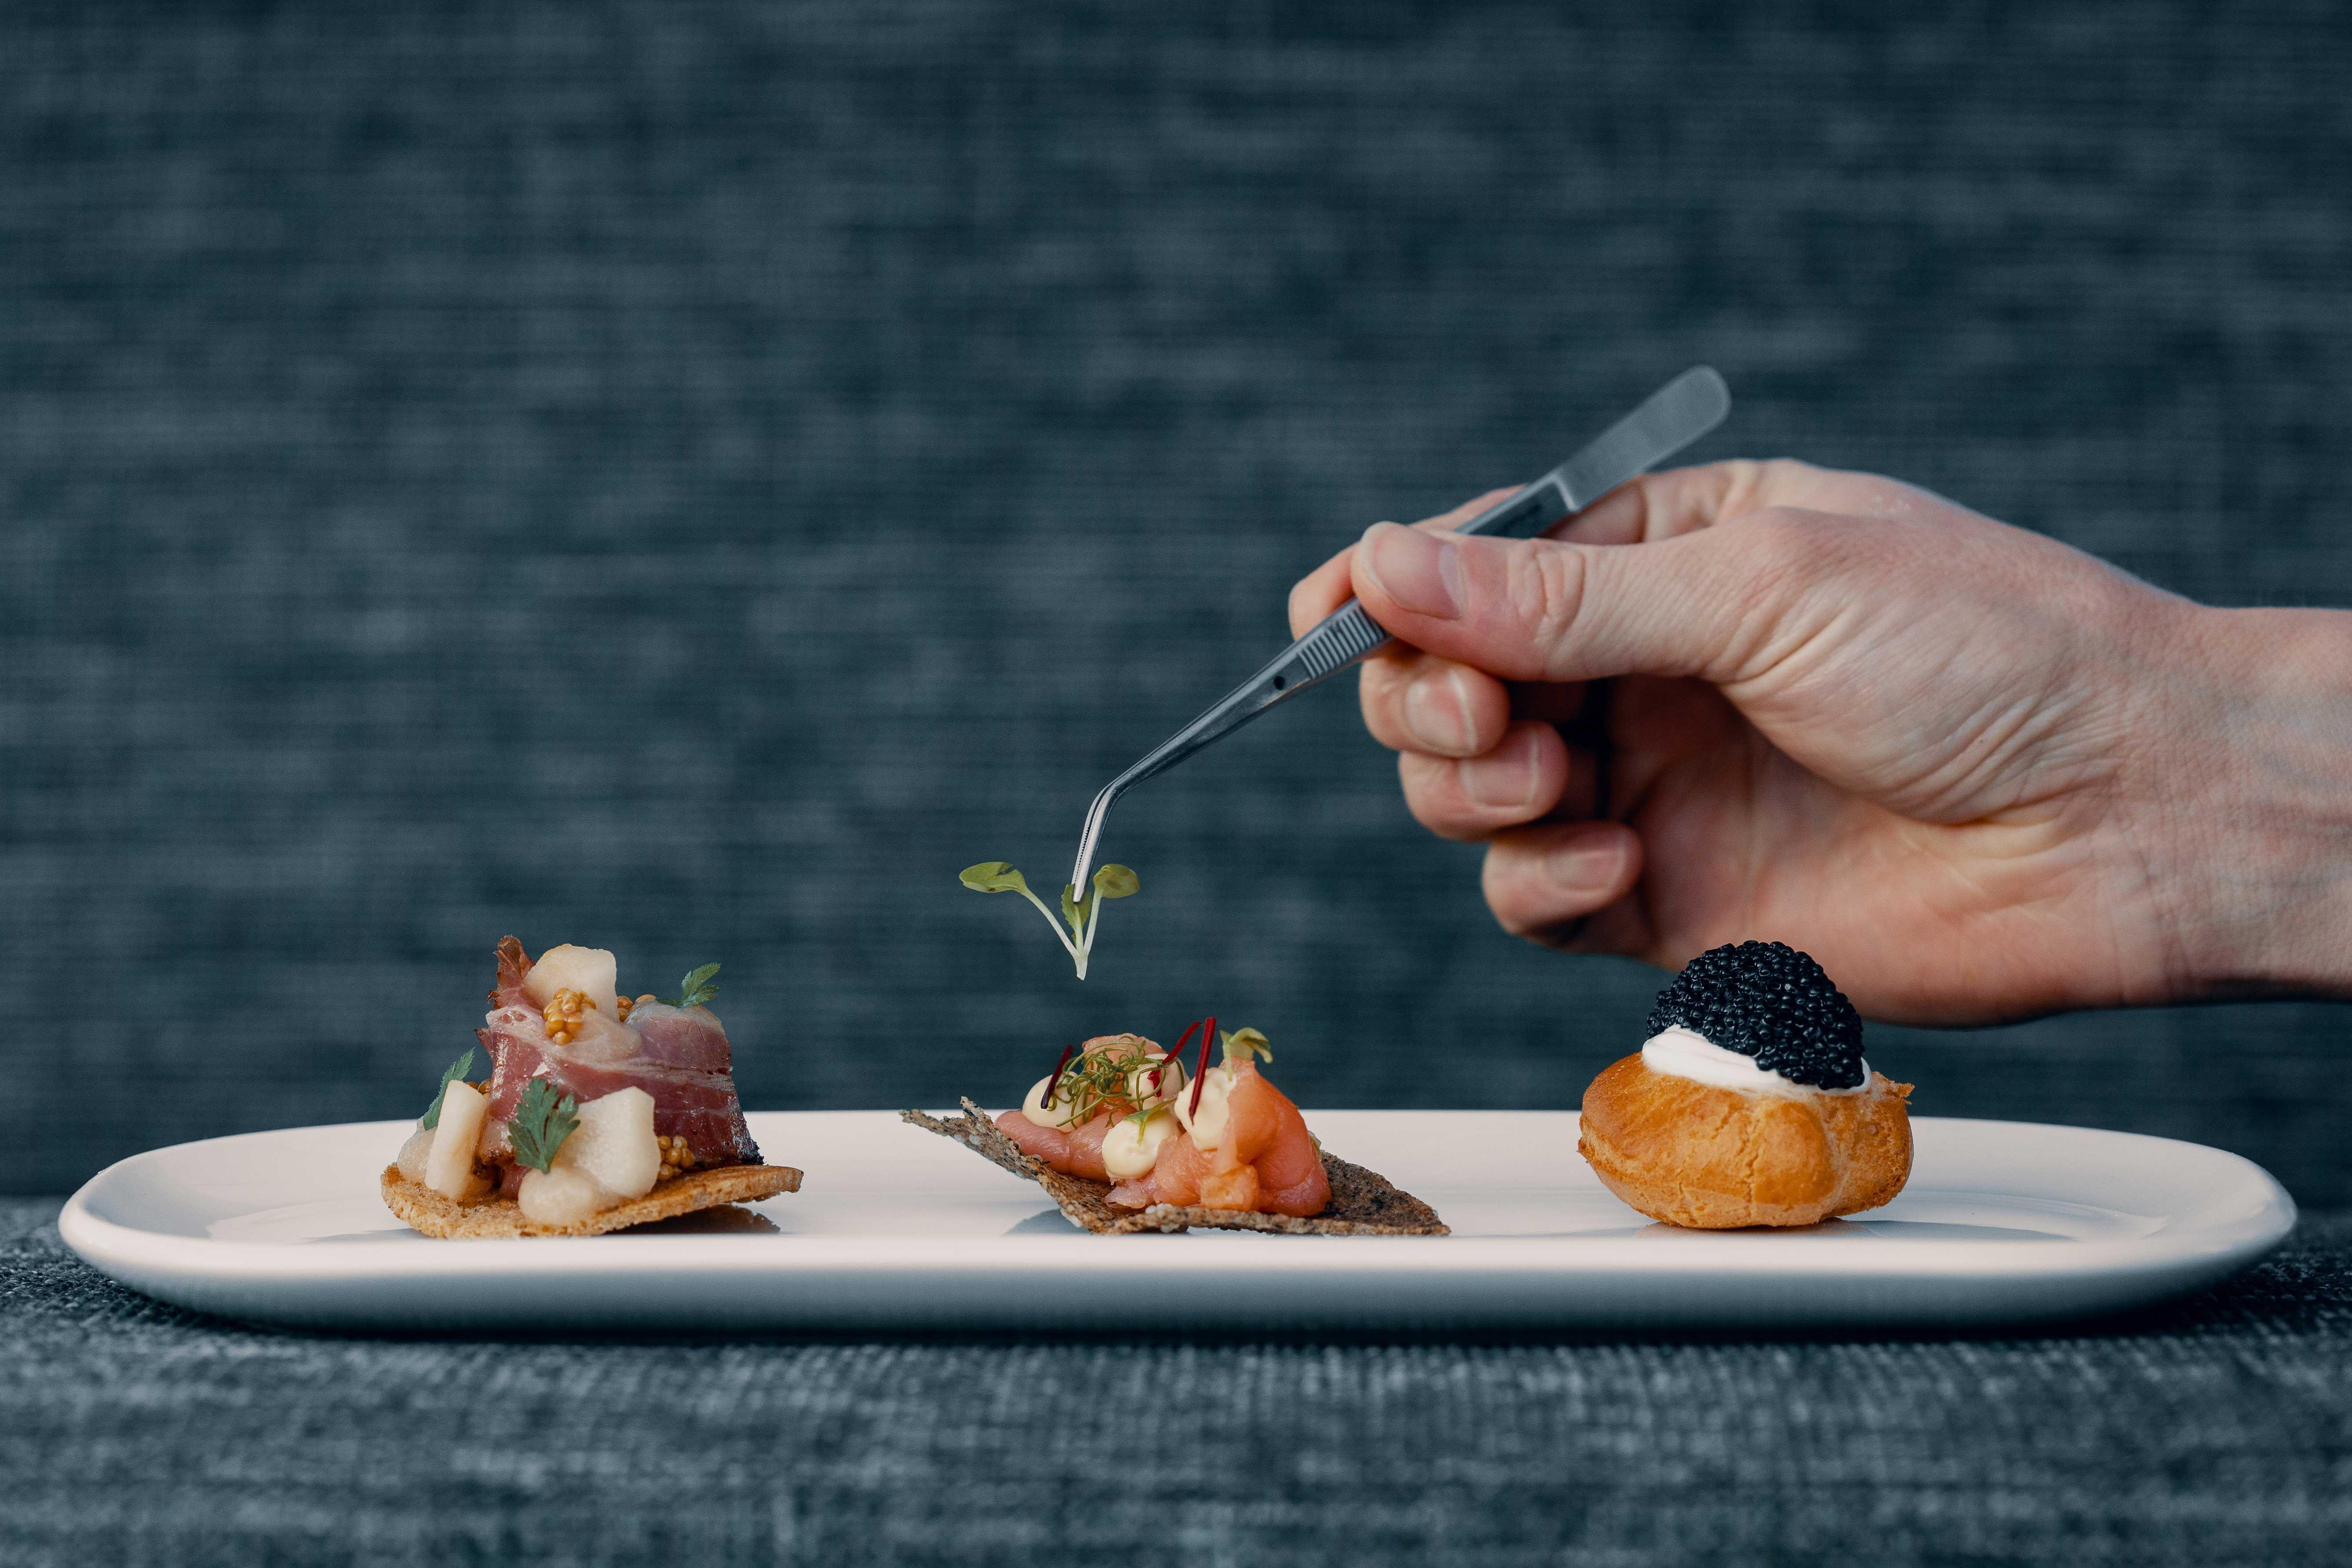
[{"x": 1670, "y": 418}]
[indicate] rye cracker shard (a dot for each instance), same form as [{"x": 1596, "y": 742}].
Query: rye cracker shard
[{"x": 1123, "y": 1140}]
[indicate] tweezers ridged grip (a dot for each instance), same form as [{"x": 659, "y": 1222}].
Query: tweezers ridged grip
[{"x": 1347, "y": 634}]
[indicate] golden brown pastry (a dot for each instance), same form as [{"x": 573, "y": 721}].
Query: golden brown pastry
[
  {"x": 1714, "y": 1158},
  {"x": 1750, "y": 1104}
]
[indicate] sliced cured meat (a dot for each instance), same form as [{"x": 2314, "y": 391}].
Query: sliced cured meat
[
  {"x": 677, "y": 1055},
  {"x": 689, "y": 1038},
  {"x": 513, "y": 964}
]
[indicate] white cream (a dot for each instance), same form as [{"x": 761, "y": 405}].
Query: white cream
[
  {"x": 1207, "y": 1120},
  {"x": 1130, "y": 1151},
  {"x": 1684, "y": 1053},
  {"x": 1033, "y": 1105}
]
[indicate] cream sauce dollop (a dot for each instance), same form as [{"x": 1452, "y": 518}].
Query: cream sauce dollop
[
  {"x": 1130, "y": 1151},
  {"x": 1686, "y": 1053}
]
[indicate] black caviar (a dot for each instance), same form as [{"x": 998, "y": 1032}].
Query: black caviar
[{"x": 1767, "y": 1000}]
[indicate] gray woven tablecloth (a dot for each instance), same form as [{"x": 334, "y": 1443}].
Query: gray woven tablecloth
[{"x": 2218, "y": 1431}]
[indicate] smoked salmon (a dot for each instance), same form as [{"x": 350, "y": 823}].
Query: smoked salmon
[
  {"x": 1072, "y": 1110},
  {"x": 1124, "y": 1112}
]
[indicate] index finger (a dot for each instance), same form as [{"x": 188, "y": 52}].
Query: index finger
[{"x": 1327, "y": 587}]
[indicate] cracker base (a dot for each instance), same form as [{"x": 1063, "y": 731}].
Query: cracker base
[
  {"x": 446, "y": 1219},
  {"x": 1362, "y": 1202}
]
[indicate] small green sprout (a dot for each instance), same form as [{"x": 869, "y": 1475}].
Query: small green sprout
[
  {"x": 1081, "y": 915},
  {"x": 1243, "y": 1044}
]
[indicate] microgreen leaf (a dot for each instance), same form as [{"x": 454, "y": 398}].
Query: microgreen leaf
[
  {"x": 1079, "y": 916},
  {"x": 541, "y": 1124},
  {"x": 992, "y": 877},
  {"x": 695, "y": 990},
  {"x": 456, "y": 1069},
  {"x": 1244, "y": 1044}
]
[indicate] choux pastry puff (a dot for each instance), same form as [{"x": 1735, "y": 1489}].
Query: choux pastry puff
[{"x": 1751, "y": 1103}]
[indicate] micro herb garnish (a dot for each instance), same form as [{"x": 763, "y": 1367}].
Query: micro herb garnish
[
  {"x": 1100, "y": 1079},
  {"x": 1245, "y": 1044},
  {"x": 541, "y": 1123},
  {"x": 456, "y": 1069},
  {"x": 695, "y": 990},
  {"x": 1081, "y": 915}
]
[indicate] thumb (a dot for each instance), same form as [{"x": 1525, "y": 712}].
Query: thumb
[{"x": 1701, "y": 605}]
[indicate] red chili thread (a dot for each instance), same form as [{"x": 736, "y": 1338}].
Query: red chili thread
[
  {"x": 1200, "y": 1069},
  {"x": 1055, "y": 1081},
  {"x": 1169, "y": 1060}
]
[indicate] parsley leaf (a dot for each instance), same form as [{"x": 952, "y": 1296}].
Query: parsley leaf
[
  {"x": 456, "y": 1069},
  {"x": 694, "y": 990},
  {"x": 541, "y": 1124}
]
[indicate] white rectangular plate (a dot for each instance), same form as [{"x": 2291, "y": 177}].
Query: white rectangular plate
[{"x": 897, "y": 1229}]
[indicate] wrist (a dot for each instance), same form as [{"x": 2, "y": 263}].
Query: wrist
[{"x": 2249, "y": 853}]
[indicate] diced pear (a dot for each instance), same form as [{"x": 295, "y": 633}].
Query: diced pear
[
  {"x": 591, "y": 971},
  {"x": 561, "y": 1196},
  {"x": 450, "y": 1168},
  {"x": 412, "y": 1153},
  {"x": 615, "y": 1145}
]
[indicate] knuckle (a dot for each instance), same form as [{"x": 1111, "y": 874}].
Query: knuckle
[
  {"x": 1378, "y": 691},
  {"x": 1432, "y": 797},
  {"x": 1754, "y": 485},
  {"x": 1784, "y": 476},
  {"x": 1788, "y": 545},
  {"x": 1496, "y": 879},
  {"x": 1784, "y": 559},
  {"x": 1546, "y": 591}
]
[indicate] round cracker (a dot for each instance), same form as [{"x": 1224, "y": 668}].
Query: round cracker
[{"x": 446, "y": 1219}]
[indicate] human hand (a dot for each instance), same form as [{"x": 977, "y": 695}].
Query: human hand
[{"x": 1977, "y": 773}]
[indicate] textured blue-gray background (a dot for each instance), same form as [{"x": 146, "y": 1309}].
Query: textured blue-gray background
[{"x": 688, "y": 477}]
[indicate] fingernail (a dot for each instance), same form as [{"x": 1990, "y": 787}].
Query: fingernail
[
  {"x": 1504, "y": 777},
  {"x": 1422, "y": 572},
  {"x": 1581, "y": 868},
  {"x": 1437, "y": 713}
]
